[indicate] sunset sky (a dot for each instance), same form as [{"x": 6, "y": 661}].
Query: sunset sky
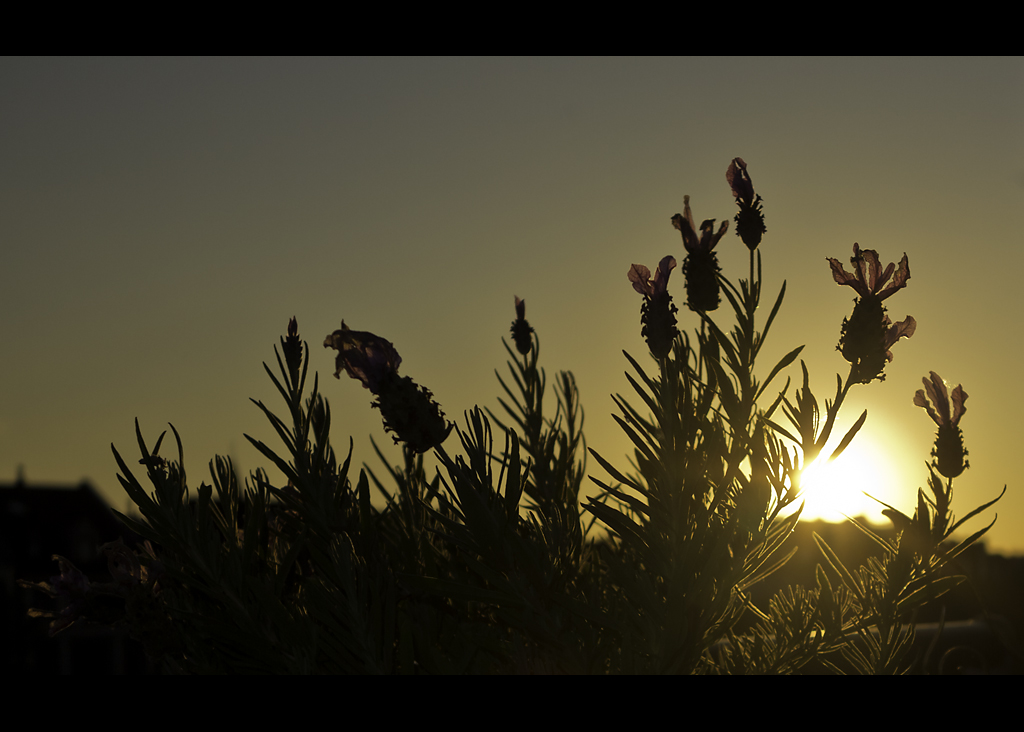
[{"x": 162, "y": 219}]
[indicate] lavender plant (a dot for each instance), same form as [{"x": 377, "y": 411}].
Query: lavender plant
[{"x": 491, "y": 564}]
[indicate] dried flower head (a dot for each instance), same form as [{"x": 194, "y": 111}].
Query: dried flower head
[
  {"x": 657, "y": 313},
  {"x": 949, "y": 452},
  {"x": 700, "y": 267},
  {"x": 406, "y": 408},
  {"x": 521, "y": 330},
  {"x": 750, "y": 220},
  {"x": 363, "y": 356}
]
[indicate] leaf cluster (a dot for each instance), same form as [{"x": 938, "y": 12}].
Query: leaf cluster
[{"x": 492, "y": 565}]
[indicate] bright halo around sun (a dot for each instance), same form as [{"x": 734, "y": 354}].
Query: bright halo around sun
[{"x": 833, "y": 489}]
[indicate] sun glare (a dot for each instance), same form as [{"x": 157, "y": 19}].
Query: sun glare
[{"x": 833, "y": 489}]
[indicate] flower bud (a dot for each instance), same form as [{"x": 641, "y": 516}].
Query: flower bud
[
  {"x": 292, "y": 347},
  {"x": 521, "y": 330},
  {"x": 750, "y": 220},
  {"x": 949, "y": 452}
]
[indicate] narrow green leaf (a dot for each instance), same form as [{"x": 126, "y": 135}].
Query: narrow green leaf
[
  {"x": 635, "y": 503},
  {"x": 284, "y": 392},
  {"x": 786, "y": 361},
  {"x": 650, "y": 402},
  {"x": 886, "y": 545},
  {"x": 640, "y": 443},
  {"x": 778, "y": 400},
  {"x": 963, "y": 545},
  {"x": 726, "y": 391},
  {"x": 849, "y": 436},
  {"x": 975, "y": 512},
  {"x": 778, "y": 428},
  {"x": 936, "y": 587},
  {"x": 181, "y": 454},
  {"x": 627, "y": 529},
  {"x": 278, "y": 425},
  {"x": 643, "y": 374},
  {"x": 139, "y": 527},
  {"x": 343, "y": 473},
  {"x": 363, "y": 493},
  {"x": 741, "y": 312},
  {"x": 836, "y": 563},
  {"x": 757, "y": 573},
  {"x": 514, "y": 483},
  {"x": 771, "y": 318},
  {"x": 284, "y": 467},
  {"x": 724, "y": 343},
  {"x": 132, "y": 486},
  {"x": 613, "y": 472}
]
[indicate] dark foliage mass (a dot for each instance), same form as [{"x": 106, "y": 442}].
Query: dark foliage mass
[{"x": 491, "y": 564}]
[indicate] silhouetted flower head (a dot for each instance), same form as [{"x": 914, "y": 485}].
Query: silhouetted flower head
[
  {"x": 750, "y": 220},
  {"x": 700, "y": 267},
  {"x": 949, "y": 443},
  {"x": 868, "y": 277},
  {"x": 406, "y": 408},
  {"x": 363, "y": 356},
  {"x": 521, "y": 330},
  {"x": 868, "y": 335},
  {"x": 657, "y": 313}
]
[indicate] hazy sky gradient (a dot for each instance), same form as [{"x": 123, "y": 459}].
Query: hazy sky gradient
[{"x": 162, "y": 219}]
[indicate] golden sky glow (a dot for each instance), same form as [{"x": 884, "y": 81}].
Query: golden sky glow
[{"x": 163, "y": 219}]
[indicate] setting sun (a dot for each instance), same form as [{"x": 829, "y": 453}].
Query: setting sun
[{"x": 831, "y": 490}]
